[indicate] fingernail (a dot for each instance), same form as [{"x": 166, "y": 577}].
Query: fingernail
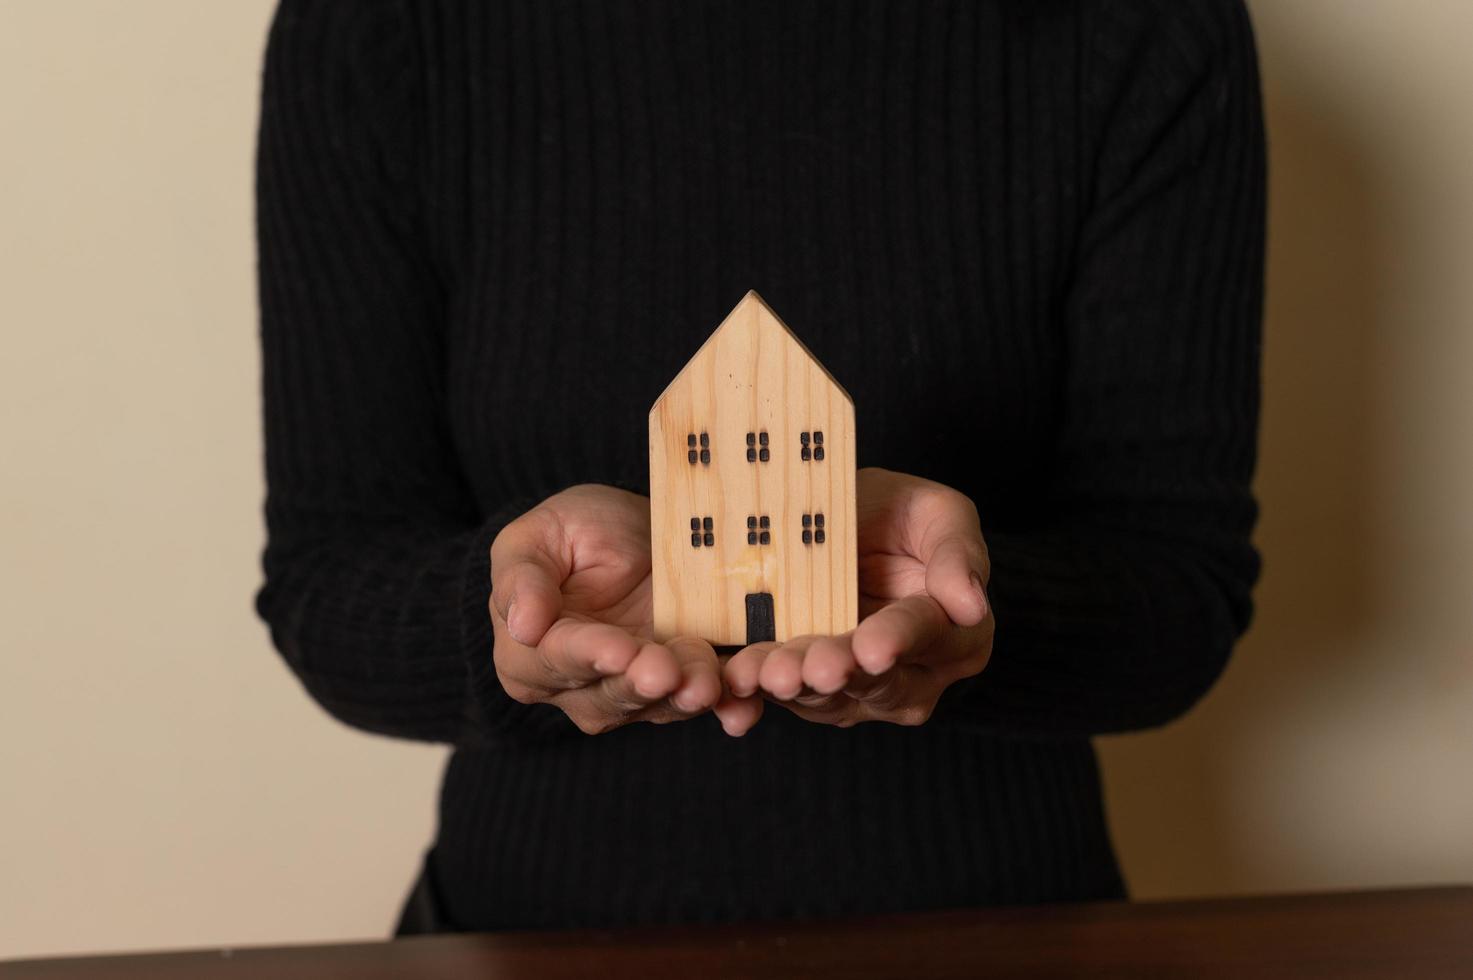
[
  {"x": 513, "y": 622},
  {"x": 981, "y": 592}
]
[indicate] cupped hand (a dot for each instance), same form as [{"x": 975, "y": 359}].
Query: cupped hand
[
  {"x": 572, "y": 612},
  {"x": 925, "y": 620}
]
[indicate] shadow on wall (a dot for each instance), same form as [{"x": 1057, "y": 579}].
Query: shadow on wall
[{"x": 1179, "y": 826}]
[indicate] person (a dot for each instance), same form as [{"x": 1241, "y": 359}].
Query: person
[{"x": 1028, "y": 238}]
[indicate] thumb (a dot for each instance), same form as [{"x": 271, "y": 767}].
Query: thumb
[
  {"x": 526, "y": 580},
  {"x": 956, "y": 577}
]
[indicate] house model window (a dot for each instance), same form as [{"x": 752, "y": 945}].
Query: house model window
[{"x": 752, "y": 490}]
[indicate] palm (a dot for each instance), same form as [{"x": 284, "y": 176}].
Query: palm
[
  {"x": 572, "y": 612},
  {"x": 889, "y": 568},
  {"x": 923, "y": 610},
  {"x": 612, "y": 591},
  {"x": 884, "y": 578},
  {"x": 607, "y": 544}
]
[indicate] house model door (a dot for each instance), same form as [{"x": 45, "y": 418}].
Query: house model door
[{"x": 752, "y": 515}]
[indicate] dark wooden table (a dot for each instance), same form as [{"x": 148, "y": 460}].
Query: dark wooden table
[{"x": 1422, "y": 934}]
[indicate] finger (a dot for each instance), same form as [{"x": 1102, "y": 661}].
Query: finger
[
  {"x": 883, "y": 692},
  {"x": 878, "y": 689},
  {"x": 943, "y": 531},
  {"x": 742, "y": 670},
  {"x": 782, "y": 671},
  {"x": 838, "y": 712},
  {"x": 574, "y": 653},
  {"x": 526, "y": 579},
  {"x": 828, "y": 664},
  {"x": 955, "y": 575},
  {"x": 700, "y": 683},
  {"x": 899, "y": 630},
  {"x": 738, "y": 715},
  {"x": 653, "y": 675}
]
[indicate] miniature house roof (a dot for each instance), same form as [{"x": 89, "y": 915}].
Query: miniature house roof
[
  {"x": 750, "y": 328},
  {"x": 752, "y": 489}
]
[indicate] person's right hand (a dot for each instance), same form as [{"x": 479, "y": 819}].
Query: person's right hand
[{"x": 572, "y": 609}]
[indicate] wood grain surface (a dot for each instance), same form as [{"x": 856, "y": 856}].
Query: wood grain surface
[
  {"x": 752, "y": 378},
  {"x": 1425, "y": 935}
]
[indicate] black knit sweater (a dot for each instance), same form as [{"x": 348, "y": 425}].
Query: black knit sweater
[{"x": 1026, "y": 236}]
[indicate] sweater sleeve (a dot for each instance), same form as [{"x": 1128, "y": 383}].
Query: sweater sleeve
[
  {"x": 377, "y": 573},
  {"x": 1120, "y": 610}
]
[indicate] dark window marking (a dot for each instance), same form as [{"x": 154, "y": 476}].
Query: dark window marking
[
  {"x": 709, "y": 540},
  {"x": 706, "y": 523},
  {"x": 706, "y": 440},
  {"x": 761, "y": 623},
  {"x": 818, "y": 536},
  {"x": 807, "y": 519},
  {"x": 766, "y": 521},
  {"x": 816, "y": 452},
  {"x": 753, "y": 453},
  {"x": 706, "y": 456},
  {"x": 690, "y": 440},
  {"x": 807, "y": 536},
  {"x": 818, "y": 520},
  {"x": 691, "y": 457},
  {"x": 695, "y": 523},
  {"x": 751, "y": 537},
  {"x": 766, "y": 537},
  {"x": 751, "y": 521},
  {"x": 695, "y": 539}
]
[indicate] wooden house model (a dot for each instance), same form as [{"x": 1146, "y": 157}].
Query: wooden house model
[{"x": 752, "y": 473}]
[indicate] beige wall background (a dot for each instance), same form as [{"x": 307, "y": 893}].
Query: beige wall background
[{"x": 163, "y": 782}]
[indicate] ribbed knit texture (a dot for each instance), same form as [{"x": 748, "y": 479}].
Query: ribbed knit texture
[{"x": 1027, "y": 237}]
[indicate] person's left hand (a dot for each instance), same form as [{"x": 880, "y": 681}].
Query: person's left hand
[{"x": 925, "y": 622}]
